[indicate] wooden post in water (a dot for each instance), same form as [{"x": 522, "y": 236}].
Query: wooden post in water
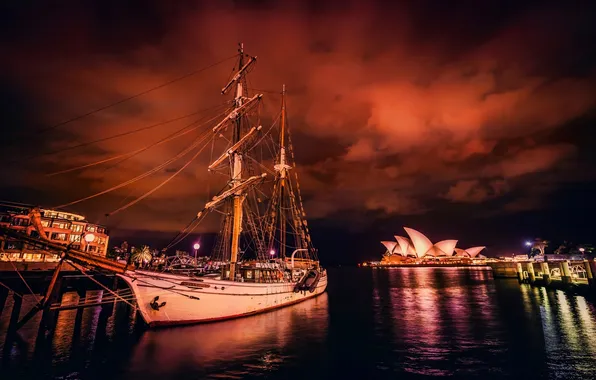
[
  {"x": 49, "y": 317},
  {"x": 531, "y": 274},
  {"x": 14, "y": 315},
  {"x": 520, "y": 273},
  {"x": 590, "y": 268},
  {"x": 3, "y": 297},
  {"x": 82, "y": 294},
  {"x": 545, "y": 273},
  {"x": 565, "y": 272}
]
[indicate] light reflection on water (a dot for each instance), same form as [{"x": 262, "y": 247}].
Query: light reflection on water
[{"x": 394, "y": 323}]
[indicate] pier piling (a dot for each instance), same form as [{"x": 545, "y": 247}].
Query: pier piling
[
  {"x": 520, "y": 273},
  {"x": 14, "y": 315},
  {"x": 565, "y": 272},
  {"x": 590, "y": 272},
  {"x": 3, "y": 297},
  {"x": 531, "y": 275},
  {"x": 545, "y": 273}
]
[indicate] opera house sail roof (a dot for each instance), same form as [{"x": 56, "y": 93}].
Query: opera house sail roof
[{"x": 418, "y": 246}]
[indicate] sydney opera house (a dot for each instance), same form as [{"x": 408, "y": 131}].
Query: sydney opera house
[{"x": 417, "y": 249}]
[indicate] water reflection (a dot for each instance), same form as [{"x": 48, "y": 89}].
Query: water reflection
[
  {"x": 241, "y": 347},
  {"x": 406, "y": 323}
]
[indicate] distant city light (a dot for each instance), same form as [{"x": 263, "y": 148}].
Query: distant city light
[
  {"x": 528, "y": 243},
  {"x": 196, "y": 246},
  {"x": 582, "y": 250},
  {"x": 272, "y": 252},
  {"x": 89, "y": 238}
]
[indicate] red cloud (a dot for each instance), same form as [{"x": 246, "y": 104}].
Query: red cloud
[{"x": 415, "y": 121}]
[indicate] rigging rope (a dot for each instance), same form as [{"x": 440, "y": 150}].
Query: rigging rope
[
  {"x": 180, "y": 132},
  {"x": 158, "y": 186},
  {"x": 50, "y": 153},
  {"x": 24, "y": 281},
  {"x": 137, "y": 178},
  {"x": 167, "y": 137},
  {"x": 185, "y": 76},
  {"x": 11, "y": 290},
  {"x": 100, "y": 284}
]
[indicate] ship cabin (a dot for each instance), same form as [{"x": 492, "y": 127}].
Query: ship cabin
[{"x": 271, "y": 271}]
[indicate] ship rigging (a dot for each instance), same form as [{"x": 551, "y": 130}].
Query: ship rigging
[{"x": 262, "y": 218}]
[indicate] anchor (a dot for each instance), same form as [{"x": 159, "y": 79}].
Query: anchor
[{"x": 154, "y": 305}]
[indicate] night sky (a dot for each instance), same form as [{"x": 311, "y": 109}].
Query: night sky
[{"x": 461, "y": 120}]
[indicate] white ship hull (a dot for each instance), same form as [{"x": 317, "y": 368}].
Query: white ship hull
[{"x": 191, "y": 300}]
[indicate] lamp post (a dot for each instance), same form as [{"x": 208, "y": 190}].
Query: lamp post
[
  {"x": 196, "y": 247},
  {"x": 529, "y": 245},
  {"x": 272, "y": 252},
  {"x": 88, "y": 239}
]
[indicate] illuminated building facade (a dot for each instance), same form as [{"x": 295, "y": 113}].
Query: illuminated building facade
[{"x": 58, "y": 226}]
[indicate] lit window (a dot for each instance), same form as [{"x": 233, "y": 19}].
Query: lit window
[{"x": 58, "y": 236}]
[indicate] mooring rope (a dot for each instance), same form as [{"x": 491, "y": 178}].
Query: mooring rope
[
  {"x": 101, "y": 285},
  {"x": 24, "y": 281},
  {"x": 11, "y": 290}
]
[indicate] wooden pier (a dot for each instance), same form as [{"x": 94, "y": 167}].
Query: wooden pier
[
  {"x": 556, "y": 271},
  {"x": 71, "y": 290}
]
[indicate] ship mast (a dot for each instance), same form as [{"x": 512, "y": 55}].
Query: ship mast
[
  {"x": 282, "y": 168},
  {"x": 236, "y": 171}
]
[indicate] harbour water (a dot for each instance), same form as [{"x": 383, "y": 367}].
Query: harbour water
[{"x": 406, "y": 323}]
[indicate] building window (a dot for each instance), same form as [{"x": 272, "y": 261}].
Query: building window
[
  {"x": 101, "y": 241},
  {"x": 91, "y": 228},
  {"x": 76, "y": 246},
  {"x": 61, "y": 225},
  {"x": 45, "y": 223},
  {"x": 91, "y": 248},
  {"x": 20, "y": 222},
  {"x": 77, "y": 228},
  {"x": 101, "y": 230},
  {"x": 75, "y": 237},
  {"x": 58, "y": 236}
]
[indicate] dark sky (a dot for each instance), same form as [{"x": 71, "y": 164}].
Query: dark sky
[{"x": 461, "y": 120}]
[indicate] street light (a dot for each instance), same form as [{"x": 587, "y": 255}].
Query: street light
[
  {"x": 528, "y": 243},
  {"x": 582, "y": 249},
  {"x": 196, "y": 247},
  {"x": 272, "y": 252},
  {"x": 89, "y": 237}
]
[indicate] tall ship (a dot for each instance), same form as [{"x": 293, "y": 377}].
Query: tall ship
[
  {"x": 263, "y": 257},
  {"x": 264, "y": 254}
]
